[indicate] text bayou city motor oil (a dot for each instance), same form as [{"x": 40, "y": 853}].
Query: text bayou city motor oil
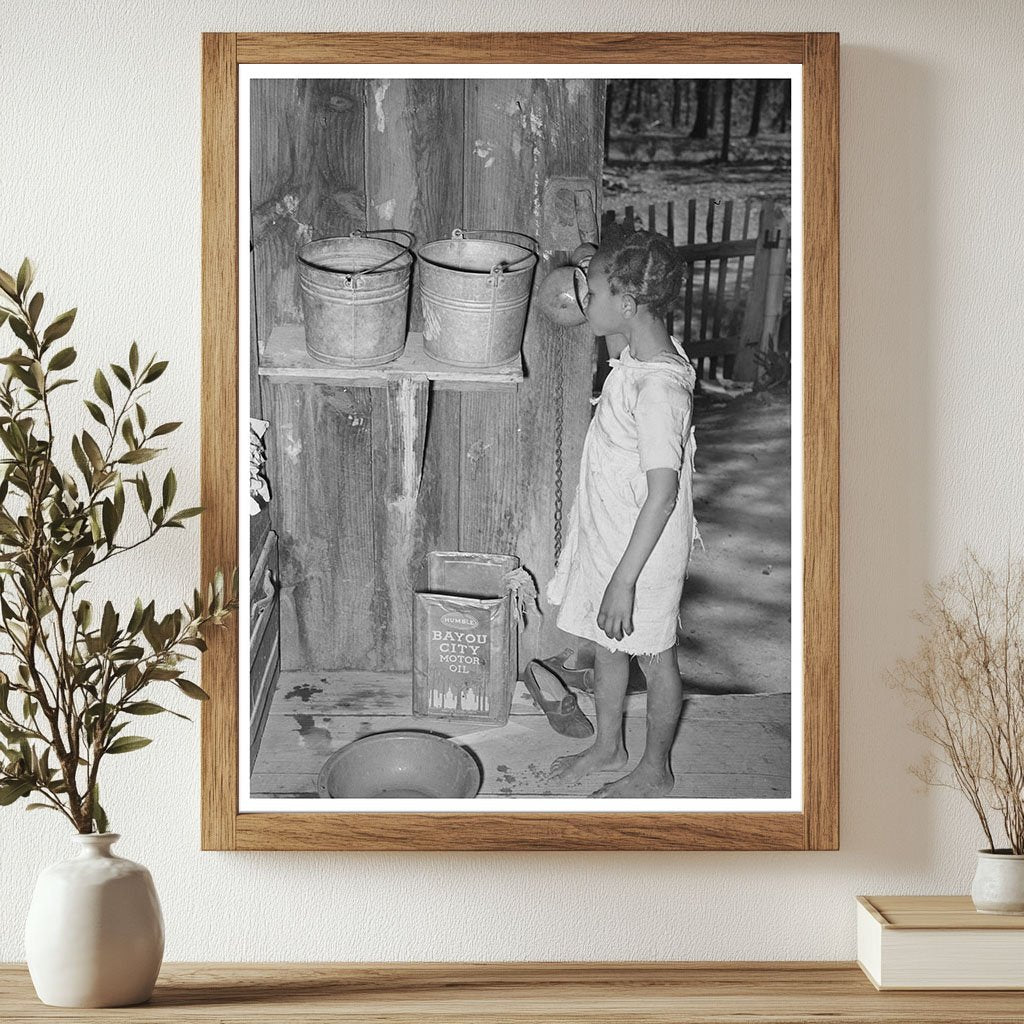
[{"x": 465, "y": 639}]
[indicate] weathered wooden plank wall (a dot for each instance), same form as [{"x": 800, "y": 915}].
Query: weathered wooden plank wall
[
  {"x": 309, "y": 182},
  {"x": 498, "y": 185},
  {"x": 425, "y": 156},
  {"x": 272, "y": 103},
  {"x": 323, "y": 511},
  {"x": 414, "y": 183},
  {"x": 414, "y": 130}
]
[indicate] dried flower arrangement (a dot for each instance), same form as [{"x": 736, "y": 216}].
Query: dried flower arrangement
[{"x": 967, "y": 680}]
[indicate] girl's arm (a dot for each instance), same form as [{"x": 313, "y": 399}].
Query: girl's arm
[{"x": 616, "y": 614}]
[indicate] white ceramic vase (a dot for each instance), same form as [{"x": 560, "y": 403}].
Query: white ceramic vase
[
  {"x": 999, "y": 883},
  {"x": 95, "y": 933}
]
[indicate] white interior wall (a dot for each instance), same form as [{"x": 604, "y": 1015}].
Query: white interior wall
[{"x": 100, "y": 184}]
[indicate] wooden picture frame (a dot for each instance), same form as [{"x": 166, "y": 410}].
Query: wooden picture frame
[{"x": 816, "y": 825}]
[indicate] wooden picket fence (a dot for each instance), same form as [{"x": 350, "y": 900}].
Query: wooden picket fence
[{"x": 731, "y": 303}]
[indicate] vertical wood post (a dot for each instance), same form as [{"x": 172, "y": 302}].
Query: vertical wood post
[
  {"x": 753, "y": 317},
  {"x": 413, "y": 139},
  {"x": 775, "y": 292},
  {"x": 414, "y": 162},
  {"x": 501, "y": 177},
  {"x": 399, "y": 413}
]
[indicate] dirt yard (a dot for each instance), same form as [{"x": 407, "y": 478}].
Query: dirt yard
[
  {"x": 759, "y": 168},
  {"x": 736, "y": 602}
]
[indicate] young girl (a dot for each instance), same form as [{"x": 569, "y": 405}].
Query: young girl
[{"x": 631, "y": 527}]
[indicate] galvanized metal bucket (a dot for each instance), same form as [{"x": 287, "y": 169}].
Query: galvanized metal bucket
[
  {"x": 355, "y": 297},
  {"x": 475, "y": 294}
]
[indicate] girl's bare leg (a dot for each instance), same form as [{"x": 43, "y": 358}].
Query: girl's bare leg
[
  {"x": 652, "y": 777},
  {"x": 611, "y": 673}
]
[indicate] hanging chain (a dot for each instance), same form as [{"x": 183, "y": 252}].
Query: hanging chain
[{"x": 559, "y": 431}]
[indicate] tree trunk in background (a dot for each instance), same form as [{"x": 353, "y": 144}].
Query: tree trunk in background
[
  {"x": 631, "y": 96},
  {"x": 760, "y": 87},
  {"x": 700, "y": 121},
  {"x": 712, "y": 104},
  {"x": 726, "y": 119},
  {"x": 782, "y": 117},
  {"x": 677, "y": 95}
]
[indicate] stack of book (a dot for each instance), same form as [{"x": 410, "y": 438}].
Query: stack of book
[{"x": 938, "y": 942}]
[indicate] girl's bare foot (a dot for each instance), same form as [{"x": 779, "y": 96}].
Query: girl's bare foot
[
  {"x": 644, "y": 780},
  {"x": 572, "y": 767}
]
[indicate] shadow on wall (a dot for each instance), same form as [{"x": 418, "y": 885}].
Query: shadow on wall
[{"x": 887, "y": 382}]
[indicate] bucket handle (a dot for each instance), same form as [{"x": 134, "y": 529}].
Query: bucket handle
[
  {"x": 499, "y": 268},
  {"x": 387, "y": 231},
  {"x": 350, "y": 279}
]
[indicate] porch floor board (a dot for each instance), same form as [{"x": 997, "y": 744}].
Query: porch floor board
[{"x": 729, "y": 746}]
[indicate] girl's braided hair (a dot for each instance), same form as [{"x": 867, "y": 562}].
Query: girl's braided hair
[{"x": 644, "y": 264}]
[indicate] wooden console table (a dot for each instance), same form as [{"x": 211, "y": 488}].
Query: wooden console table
[{"x": 548, "y": 993}]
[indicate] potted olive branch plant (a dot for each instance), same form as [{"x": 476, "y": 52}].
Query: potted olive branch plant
[
  {"x": 80, "y": 673},
  {"x": 966, "y": 681}
]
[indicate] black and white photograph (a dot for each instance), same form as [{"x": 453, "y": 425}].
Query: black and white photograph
[{"x": 524, "y": 510}]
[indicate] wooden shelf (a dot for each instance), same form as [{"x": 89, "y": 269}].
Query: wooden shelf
[
  {"x": 286, "y": 360},
  {"x": 525, "y": 993}
]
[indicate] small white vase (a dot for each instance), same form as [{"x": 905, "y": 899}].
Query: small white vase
[
  {"x": 95, "y": 933},
  {"x": 999, "y": 882}
]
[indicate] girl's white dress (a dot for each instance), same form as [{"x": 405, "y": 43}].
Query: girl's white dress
[{"x": 643, "y": 421}]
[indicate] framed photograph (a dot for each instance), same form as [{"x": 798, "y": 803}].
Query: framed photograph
[{"x": 529, "y": 344}]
